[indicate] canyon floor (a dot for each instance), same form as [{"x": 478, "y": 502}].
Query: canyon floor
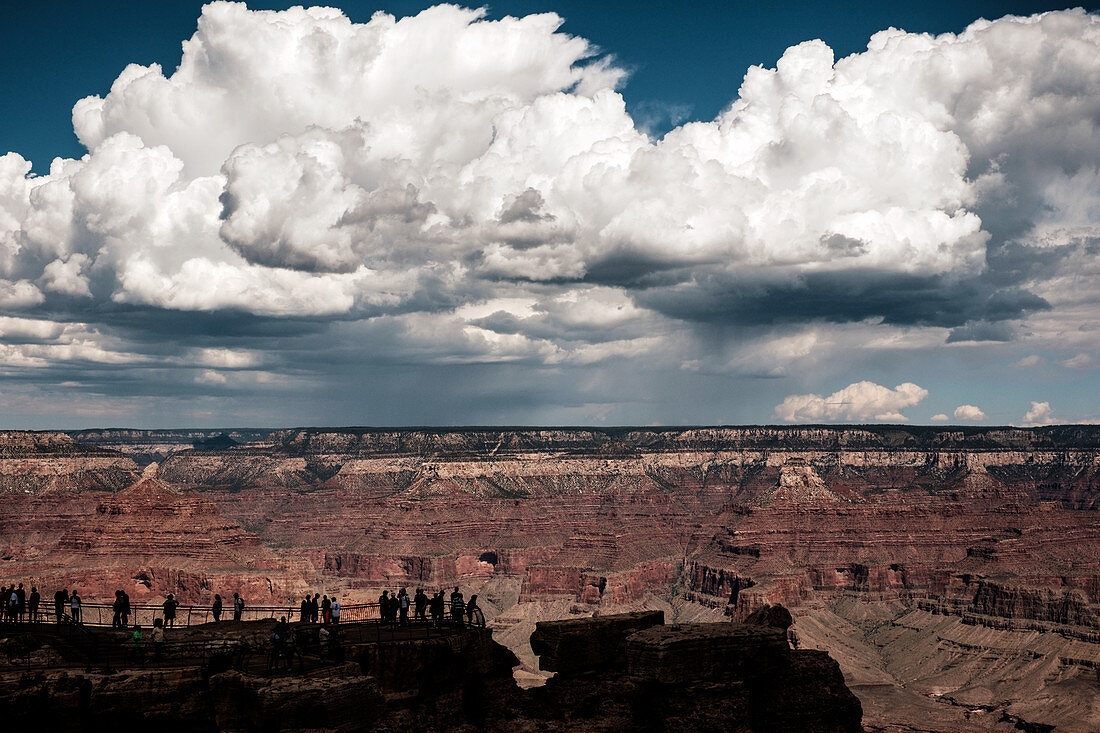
[{"x": 953, "y": 573}]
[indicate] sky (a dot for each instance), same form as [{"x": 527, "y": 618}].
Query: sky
[{"x": 540, "y": 213}]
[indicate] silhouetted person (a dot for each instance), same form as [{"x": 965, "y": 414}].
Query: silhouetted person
[
  {"x": 384, "y": 607},
  {"x": 420, "y": 604},
  {"x": 60, "y": 600},
  {"x": 75, "y": 607},
  {"x": 126, "y": 610},
  {"x": 436, "y": 608},
  {"x": 32, "y": 604},
  {"x": 279, "y": 637},
  {"x": 471, "y": 609},
  {"x": 326, "y": 609},
  {"x": 303, "y": 612},
  {"x": 314, "y": 607},
  {"x": 7, "y": 602},
  {"x": 403, "y": 606},
  {"x": 170, "y": 611},
  {"x": 20, "y": 602},
  {"x": 116, "y": 607},
  {"x": 458, "y": 608},
  {"x": 238, "y": 607},
  {"x": 216, "y": 609}
]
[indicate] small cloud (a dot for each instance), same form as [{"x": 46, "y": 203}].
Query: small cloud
[
  {"x": 969, "y": 412},
  {"x": 1081, "y": 361},
  {"x": 1041, "y": 413},
  {"x": 209, "y": 376},
  {"x": 1032, "y": 360},
  {"x": 940, "y": 418},
  {"x": 858, "y": 401}
]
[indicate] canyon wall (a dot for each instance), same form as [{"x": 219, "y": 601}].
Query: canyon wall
[{"x": 999, "y": 527}]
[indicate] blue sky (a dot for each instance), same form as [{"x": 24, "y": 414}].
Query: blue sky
[{"x": 454, "y": 219}]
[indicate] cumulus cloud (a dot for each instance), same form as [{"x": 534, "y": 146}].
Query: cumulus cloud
[
  {"x": 1040, "y": 413},
  {"x": 939, "y": 417},
  {"x": 410, "y": 173},
  {"x": 859, "y": 401},
  {"x": 969, "y": 412}
]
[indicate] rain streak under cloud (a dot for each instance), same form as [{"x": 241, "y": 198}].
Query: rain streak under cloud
[{"x": 449, "y": 219}]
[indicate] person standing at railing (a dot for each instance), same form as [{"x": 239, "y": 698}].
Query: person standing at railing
[
  {"x": 420, "y": 603},
  {"x": 32, "y": 604},
  {"x": 116, "y": 607},
  {"x": 303, "y": 612},
  {"x": 238, "y": 607},
  {"x": 471, "y": 609},
  {"x": 384, "y": 607},
  {"x": 125, "y": 608},
  {"x": 314, "y": 607},
  {"x": 436, "y": 609},
  {"x": 170, "y": 605},
  {"x": 216, "y": 609},
  {"x": 458, "y": 608},
  {"x": 326, "y": 609},
  {"x": 403, "y": 606},
  {"x": 335, "y": 610},
  {"x": 60, "y": 601},
  {"x": 20, "y": 602},
  {"x": 74, "y": 607}
]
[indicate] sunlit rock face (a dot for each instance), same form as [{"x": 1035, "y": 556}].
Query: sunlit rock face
[{"x": 997, "y": 528}]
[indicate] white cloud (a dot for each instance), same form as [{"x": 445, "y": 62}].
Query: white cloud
[
  {"x": 1040, "y": 413},
  {"x": 969, "y": 412},
  {"x": 858, "y": 401},
  {"x": 1081, "y": 361},
  {"x": 1032, "y": 360},
  {"x": 939, "y": 417}
]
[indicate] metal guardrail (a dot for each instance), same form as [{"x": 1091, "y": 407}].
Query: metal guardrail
[{"x": 102, "y": 614}]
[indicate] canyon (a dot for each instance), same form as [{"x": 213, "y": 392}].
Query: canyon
[{"x": 954, "y": 574}]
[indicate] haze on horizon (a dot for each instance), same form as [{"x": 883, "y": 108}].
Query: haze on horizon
[{"x": 458, "y": 217}]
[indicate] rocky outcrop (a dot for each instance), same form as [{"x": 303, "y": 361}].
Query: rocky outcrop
[{"x": 685, "y": 677}]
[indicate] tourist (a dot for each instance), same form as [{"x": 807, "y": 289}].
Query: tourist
[
  {"x": 303, "y": 612},
  {"x": 458, "y": 608},
  {"x": 125, "y": 609},
  {"x": 326, "y": 609},
  {"x": 136, "y": 647},
  {"x": 170, "y": 611},
  {"x": 314, "y": 607},
  {"x": 74, "y": 607},
  {"x": 384, "y": 607},
  {"x": 436, "y": 608},
  {"x": 157, "y": 637},
  {"x": 403, "y": 605},
  {"x": 8, "y": 603},
  {"x": 420, "y": 603},
  {"x": 32, "y": 604},
  {"x": 60, "y": 601},
  {"x": 324, "y": 638},
  {"x": 334, "y": 610},
  {"x": 279, "y": 636},
  {"x": 471, "y": 609},
  {"x": 116, "y": 607},
  {"x": 21, "y": 602},
  {"x": 216, "y": 609},
  {"x": 238, "y": 607}
]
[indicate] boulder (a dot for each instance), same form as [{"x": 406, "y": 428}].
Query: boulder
[{"x": 577, "y": 645}]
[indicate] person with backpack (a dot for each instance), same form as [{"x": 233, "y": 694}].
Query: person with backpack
[
  {"x": 238, "y": 607},
  {"x": 60, "y": 601}
]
